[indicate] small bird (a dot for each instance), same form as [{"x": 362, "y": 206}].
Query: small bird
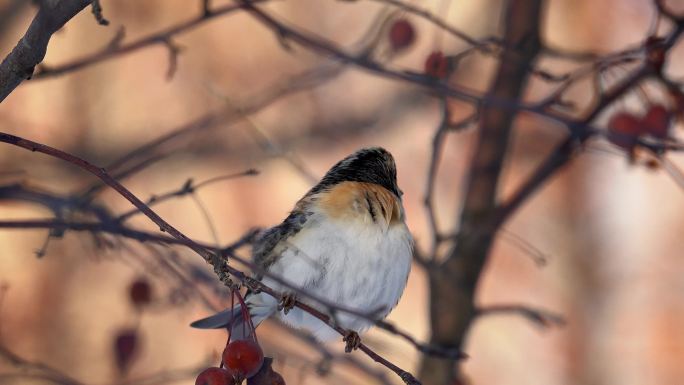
[{"x": 346, "y": 242}]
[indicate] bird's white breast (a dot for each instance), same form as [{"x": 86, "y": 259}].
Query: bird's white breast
[{"x": 354, "y": 262}]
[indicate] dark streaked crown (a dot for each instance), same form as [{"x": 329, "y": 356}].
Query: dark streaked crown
[{"x": 370, "y": 165}]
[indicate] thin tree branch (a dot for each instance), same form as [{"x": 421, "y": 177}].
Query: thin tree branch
[
  {"x": 114, "y": 49},
  {"x": 542, "y": 318}
]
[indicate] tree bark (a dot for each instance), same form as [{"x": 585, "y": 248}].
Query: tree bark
[
  {"x": 453, "y": 282},
  {"x": 19, "y": 64}
]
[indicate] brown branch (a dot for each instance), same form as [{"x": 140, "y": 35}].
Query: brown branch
[
  {"x": 453, "y": 283},
  {"x": 542, "y": 318},
  {"x": 31, "y": 49},
  {"x": 115, "y": 49}
]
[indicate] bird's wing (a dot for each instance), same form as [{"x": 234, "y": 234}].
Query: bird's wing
[{"x": 268, "y": 247}]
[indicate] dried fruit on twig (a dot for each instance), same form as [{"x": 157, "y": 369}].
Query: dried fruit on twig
[
  {"x": 437, "y": 65},
  {"x": 244, "y": 357},
  {"x": 126, "y": 346},
  {"x": 215, "y": 376},
  {"x": 140, "y": 292},
  {"x": 624, "y": 129},
  {"x": 656, "y": 52},
  {"x": 656, "y": 122},
  {"x": 401, "y": 34}
]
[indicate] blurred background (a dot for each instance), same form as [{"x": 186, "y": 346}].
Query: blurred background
[{"x": 610, "y": 231}]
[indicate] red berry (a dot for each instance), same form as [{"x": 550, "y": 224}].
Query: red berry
[
  {"x": 657, "y": 121},
  {"x": 437, "y": 65},
  {"x": 244, "y": 357},
  {"x": 140, "y": 292},
  {"x": 623, "y": 130},
  {"x": 125, "y": 348},
  {"x": 401, "y": 34},
  {"x": 215, "y": 376}
]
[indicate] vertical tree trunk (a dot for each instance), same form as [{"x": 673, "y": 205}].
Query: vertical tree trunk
[{"x": 453, "y": 283}]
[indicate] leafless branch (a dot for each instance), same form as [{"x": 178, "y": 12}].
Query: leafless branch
[
  {"x": 115, "y": 49},
  {"x": 542, "y": 318},
  {"x": 19, "y": 64}
]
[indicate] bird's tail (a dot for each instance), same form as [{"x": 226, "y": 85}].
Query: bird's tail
[{"x": 259, "y": 307}]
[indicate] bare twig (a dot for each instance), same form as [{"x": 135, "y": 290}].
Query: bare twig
[
  {"x": 188, "y": 187},
  {"x": 542, "y": 318},
  {"x": 115, "y": 50}
]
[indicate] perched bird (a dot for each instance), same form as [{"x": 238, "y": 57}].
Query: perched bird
[{"x": 345, "y": 242}]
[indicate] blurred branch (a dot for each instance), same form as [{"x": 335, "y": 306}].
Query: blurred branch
[
  {"x": 60, "y": 227},
  {"x": 31, "y": 49},
  {"x": 445, "y": 126},
  {"x": 147, "y": 153},
  {"x": 542, "y": 318},
  {"x": 28, "y": 369},
  {"x": 35, "y": 369},
  {"x": 436, "y": 87},
  {"x": 115, "y": 49},
  {"x": 189, "y": 187}
]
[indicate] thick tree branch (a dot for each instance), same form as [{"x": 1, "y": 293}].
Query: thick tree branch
[
  {"x": 453, "y": 283},
  {"x": 31, "y": 49}
]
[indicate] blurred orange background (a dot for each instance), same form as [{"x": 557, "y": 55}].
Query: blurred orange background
[{"x": 610, "y": 231}]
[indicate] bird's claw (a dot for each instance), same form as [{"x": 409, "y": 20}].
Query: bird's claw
[
  {"x": 353, "y": 341},
  {"x": 287, "y": 302}
]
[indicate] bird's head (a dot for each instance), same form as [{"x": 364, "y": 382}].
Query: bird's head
[{"x": 368, "y": 165}]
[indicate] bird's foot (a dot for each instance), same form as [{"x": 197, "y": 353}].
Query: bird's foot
[
  {"x": 353, "y": 341},
  {"x": 287, "y": 302}
]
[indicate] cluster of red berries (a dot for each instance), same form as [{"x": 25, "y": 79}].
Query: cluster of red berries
[
  {"x": 625, "y": 129},
  {"x": 241, "y": 359}
]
